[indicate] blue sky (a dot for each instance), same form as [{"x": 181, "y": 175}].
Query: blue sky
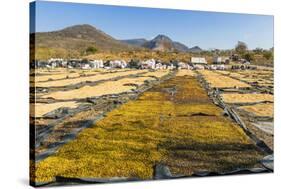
[{"x": 205, "y": 29}]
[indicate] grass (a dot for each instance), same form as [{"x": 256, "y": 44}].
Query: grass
[
  {"x": 174, "y": 123},
  {"x": 142, "y": 55}
]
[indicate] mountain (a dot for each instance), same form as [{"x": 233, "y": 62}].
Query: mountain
[
  {"x": 180, "y": 47},
  {"x": 195, "y": 49},
  {"x": 136, "y": 42},
  {"x": 76, "y": 39},
  {"x": 159, "y": 43}
]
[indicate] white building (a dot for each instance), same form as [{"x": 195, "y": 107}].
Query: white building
[
  {"x": 182, "y": 65},
  {"x": 96, "y": 64},
  {"x": 171, "y": 67},
  {"x": 220, "y": 60},
  {"x": 86, "y": 66},
  {"x": 148, "y": 64},
  {"x": 217, "y": 67},
  {"x": 118, "y": 64},
  {"x": 158, "y": 66},
  {"x": 53, "y": 64},
  {"x": 198, "y": 60},
  {"x": 199, "y": 67},
  {"x": 56, "y": 62}
]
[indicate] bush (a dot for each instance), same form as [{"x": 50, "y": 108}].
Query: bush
[
  {"x": 258, "y": 50},
  {"x": 91, "y": 50},
  {"x": 134, "y": 64},
  {"x": 268, "y": 55},
  {"x": 249, "y": 56}
]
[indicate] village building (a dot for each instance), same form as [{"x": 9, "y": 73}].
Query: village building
[
  {"x": 217, "y": 67},
  {"x": 198, "y": 60},
  {"x": 86, "y": 66},
  {"x": 158, "y": 66},
  {"x": 171, "y": 66},
  {"x": 74, "y": 63},
  {"x": 148, "y": 64},
  {"x": 96, "y": 64},
  {"x": 244, "y": 61},
  {"x": 53, "y": 64},
  {"x": 56, "y": 62},
  {"x": 221, "y": 60},
  {"x": 182, "y": 65},
  {"x": 118, "y": 64},
  {"x": 198, "y": 67},
  {"x": 41, "y": 64}
]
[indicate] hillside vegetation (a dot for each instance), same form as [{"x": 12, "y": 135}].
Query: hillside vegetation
[
  {"x": 86, "y": 41},
  {"x": 142, "y": 55},
  {"x": 73, "y": 42}
]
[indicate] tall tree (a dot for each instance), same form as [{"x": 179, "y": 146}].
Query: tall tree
[{"x": 241, "y": 48}]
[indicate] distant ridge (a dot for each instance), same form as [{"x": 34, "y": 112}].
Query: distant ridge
[
  {"x": 195, "y": 49},
  {"x": 180, "y": 47},
  {"x": 73, "y": 42},
  {"x": 76, "y": 39},
  {"x": 162, "y": 43},
  {"x": 136, "y": 42}
]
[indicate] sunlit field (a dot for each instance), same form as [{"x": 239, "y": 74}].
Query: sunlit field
[{"x": 174, "y": 123}]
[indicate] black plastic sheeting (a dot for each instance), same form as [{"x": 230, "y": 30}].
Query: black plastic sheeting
[
  {"x": 268, "y": 162},
  {"x": 52, "y": 148},
  {"x": 59, "y": 114},
  {"x": 215, "y": 96},
  {"x": 160, "y": 172}
]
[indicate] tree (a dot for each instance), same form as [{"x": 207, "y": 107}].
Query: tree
[
  {"x": 91, "y": 50},
  {"x": 241, "y": 48},
  {"x": 258, "y": 50},
  {"x": 268, "y": 55},
  {"x": 134, "y": 64},
  {"x": 249, "y": 56}
]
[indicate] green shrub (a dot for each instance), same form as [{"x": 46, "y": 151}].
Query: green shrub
[{"x": 91, "y": 50}]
